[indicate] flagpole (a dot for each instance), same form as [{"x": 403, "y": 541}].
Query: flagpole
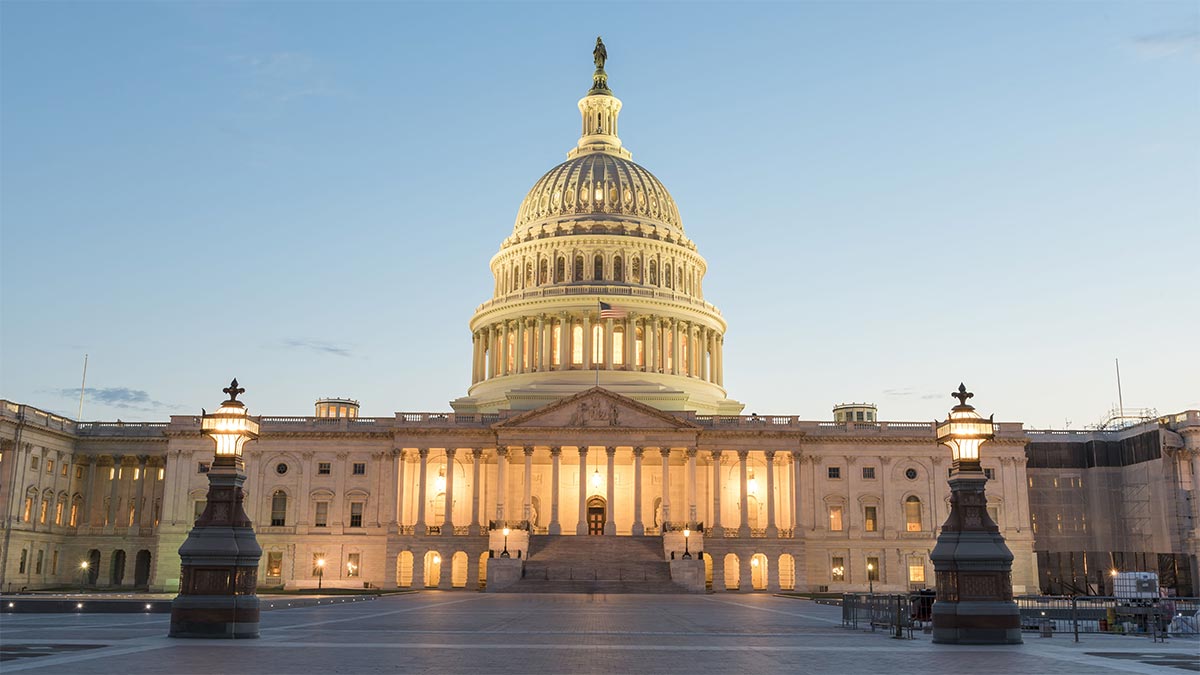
[
  {"x": 82, "y": 386},
  {"x": 599, "y": 307}
]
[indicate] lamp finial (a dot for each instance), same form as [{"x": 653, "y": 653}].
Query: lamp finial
[
  {"x": 962, "y": 394},
  {"x": 233, "y": 390}
]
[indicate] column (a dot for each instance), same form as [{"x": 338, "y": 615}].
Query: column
[
  {"x": 145, "y": 505},
  {"x": 419, "y": 528},
  {"x": 638, "y": 528},
  {"x": 675, "y": 352},
  {"x": 648, "y": 334},
  {"x": 504, "y": 349},
  {"x": 85, "y": 518},
  {"x": 744, "y": 525},
  {"x": 401, "y": 460},
  {"x": 772, "y": 530},
  {"x": 555, "y": 457},
  {"x": 493, "y": 353},
  {"x": 502, "y": 483},
  {"x": 1196, "y": 493},
  {"x": 521, "y": 347},
  {"x": 540, "y": 360},
  {"x": 111, "y": 516},
  {"x": 630, "y": 345},
  {"x": 394, "y": 507},
  {"x": 608, "y": 344},
  {"x": 691, "y": 487},
  {"x": 527, "y": 504},
  {"x": 581, "y": 526},
  {"x": 474, "y": 357},
  {"x": 792, "y": 493},
  {"x": 666, "y": 485},
  {"x": 610, "y": 527},
  {"x": 476, "y": 460},
  {"x": 448, "y": 522},
  {"x": 564, "y": 341},
  {"x": 717, "y": 530},
  {"x": 694, "y": 351},
  {"x": 587, "y": 342}
]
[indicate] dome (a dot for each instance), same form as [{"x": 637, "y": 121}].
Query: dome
[{"x": 598, "y": 185}]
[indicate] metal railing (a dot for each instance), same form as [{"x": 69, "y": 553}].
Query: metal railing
[
  {"x": 894, "y": 613},
  {"x": 1155, "y": 617}
]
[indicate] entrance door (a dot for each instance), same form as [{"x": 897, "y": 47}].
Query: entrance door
[{"x": 595, "y": 515}]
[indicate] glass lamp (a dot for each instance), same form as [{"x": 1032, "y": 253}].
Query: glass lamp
[
  {"x": 964, "y": 431},
  {"x": 230, "y": 426}
]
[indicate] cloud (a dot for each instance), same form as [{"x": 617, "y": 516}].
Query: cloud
[
  {"x": 1165, "y": 44},
  {"x": 284, "y": 76},
  {"x": 904, "y": 392},
  {"x": 117, "y": 397},
  {"x": 319, "y": 346}
]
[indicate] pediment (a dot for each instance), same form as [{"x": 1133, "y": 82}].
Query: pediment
[{"x": 596, "y": 408}]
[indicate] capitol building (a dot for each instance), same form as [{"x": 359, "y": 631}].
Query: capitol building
[{"x": 595, "y": 430}]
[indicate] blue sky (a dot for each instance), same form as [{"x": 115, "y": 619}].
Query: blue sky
[{"x": 891, "y": 197}]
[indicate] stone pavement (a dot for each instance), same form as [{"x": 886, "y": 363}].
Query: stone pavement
[{"x": 508, "y": 633}]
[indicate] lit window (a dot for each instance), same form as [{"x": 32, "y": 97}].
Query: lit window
[
  {"x": 360, "y": 469},
  {"x": 916, "y": 571},
  {"x": 43, "y": 511},
  {"x": 356, "y": 511},
  {"x": 161, "y": 473},
  {"x": 49, "y": 466},
  {"x": 353, "y": 564},
  {"x": 322, "y": 517},
  {"x": 869, "y": 518},
  {"x": 618, "y": 347},
  {"x": 274, "y": 564},
  {"x": 868, "y": 473},
  {"x": 835, "y": 518},
  {"x": 78, "y": 472},
  {"x": 74, "y": 522},
  {"x": 912, "y": 514},
  {"x": 58, "y": 511},
  {"x": 837, "y": 569},
  {"x": 577, "y": 345},
  {"x": 873, "y": 568}
]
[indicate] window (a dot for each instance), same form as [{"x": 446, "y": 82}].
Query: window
[
  {"x": 910, "y": 474},
  {"x": 279, "y": 509},
  {"x": 198, "y": 509},
  {"x": 323, "y": 469},
  {"x": 577, "y": 345},
  {"x": 578, "y": 268},
  {"x": 356, "y": 510},
  {"x": 43, "y": 511},
  {"x": 34, "y": 463},
  {"x": 868, "y": 473},
  {"x": 41, "y": 557},
  {"x": 28, "y": 513},
  {"x": 79, "y": 473},
  {"x": 58, "y": 511},
  {"x": 63, "y": 470},
  {"x": 835, "y": 472},
  {"x": 281, "y": 468},
  {"x": 837, "y": 570},
  {"x": 916, "y": 570},
  {"x": 24, "y": 558},
  {"x": 353, "y": 567},
  {"x": 322, "y": 517},
  {"x": 912, "y": 514},
  {"x": 835, "y": 518},
  {"x": 54, "y": 562},
  {"x": 990, "y": 473},
  {"x": 870, "y": 518},
  {"x": 202, "y": 467},
  {"x": 873, "y": 568},
  {"x": 598, "y": 268},
  {"x": 360, "y": 469},
  {"x": 131, "y": 512},
  {"x": 49, "y": 466},
  {"x": 858, "y": 416},
  {"x": 74, "y": 517},
  {"x": 274, "y": 564},
  {"x": 618, "y": 346},
  {"x": 161, "y": 473}
]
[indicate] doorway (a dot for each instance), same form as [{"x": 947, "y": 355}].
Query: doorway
[{"x": 595, "y": 515}]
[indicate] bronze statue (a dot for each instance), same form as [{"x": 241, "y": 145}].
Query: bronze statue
[{"x": 599, "y": 54}]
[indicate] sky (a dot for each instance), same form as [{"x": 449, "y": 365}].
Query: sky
[{"x": 892, "y": 198}]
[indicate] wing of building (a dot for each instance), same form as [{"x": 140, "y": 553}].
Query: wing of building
[{"x": 595, "y": 432}]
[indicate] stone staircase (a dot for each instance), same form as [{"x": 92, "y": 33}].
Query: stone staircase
[{"x": 595, "y": 564}]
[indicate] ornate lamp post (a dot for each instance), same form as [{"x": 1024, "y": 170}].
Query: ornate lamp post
[
  {"x": 687, "y": 554},
  {"x": 505, "y": 553},
  {"x": 320, "y": 573},
  {"x": 972, "y": 563},
  {"x": 871, "y": 578},
  {"x": 83, "y": 575},
  {"x": 220, "y": 556}
]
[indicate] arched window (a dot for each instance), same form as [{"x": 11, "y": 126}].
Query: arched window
[
  {"x": 618, "y": 346},
  {"x": 560, "y": 271},
  {"x": 528, "y": 275},
  {"x": 912, "y": 514},
  {"x": 543, "y": 272},
  {"x": 653, "y": 273},
  {"x": 667, "y": 276},
  {"x": 577, "y": 344},
  {"x": 618, "y": 270},
  {"x": 636, "y": 270},
  {"x": 598, "y": 268},
  {"x": 578, "y": 268},
  {"x": 515, "y": 278},
  {"x": 279, "y": 509}
]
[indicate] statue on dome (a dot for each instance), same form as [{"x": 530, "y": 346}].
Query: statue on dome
[{"x": 599, "y": 54}]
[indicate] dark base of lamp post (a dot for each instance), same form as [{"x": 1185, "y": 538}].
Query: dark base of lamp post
[
  {"x": 215, "y": 617},
  {"x": 976, "y": 623}
]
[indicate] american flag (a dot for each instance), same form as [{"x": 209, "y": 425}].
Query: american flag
[{"x": 608, "y": 311}]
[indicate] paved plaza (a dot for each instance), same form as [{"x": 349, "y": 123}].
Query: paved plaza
[{"x": 508, "y": 633}]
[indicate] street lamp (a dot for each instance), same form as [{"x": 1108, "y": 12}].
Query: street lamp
[
  {"x": 687, "y": 533},
  {"x": 871, "y": 577},
  {"x": 972, "y": 564},
  {"x": 220, "y": 556},
  {"x": 83, "y": 571},
  {"x": 505, "y": 553},
  {"x": 320, "y": 573}
]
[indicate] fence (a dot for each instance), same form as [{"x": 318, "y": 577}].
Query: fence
[{"x": 1155, "y": 617}]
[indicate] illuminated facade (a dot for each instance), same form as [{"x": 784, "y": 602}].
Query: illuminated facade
[{"x": 575, "y": 424}]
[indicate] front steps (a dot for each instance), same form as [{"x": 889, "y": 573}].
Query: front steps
[{"x": 595, "y": 564}]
